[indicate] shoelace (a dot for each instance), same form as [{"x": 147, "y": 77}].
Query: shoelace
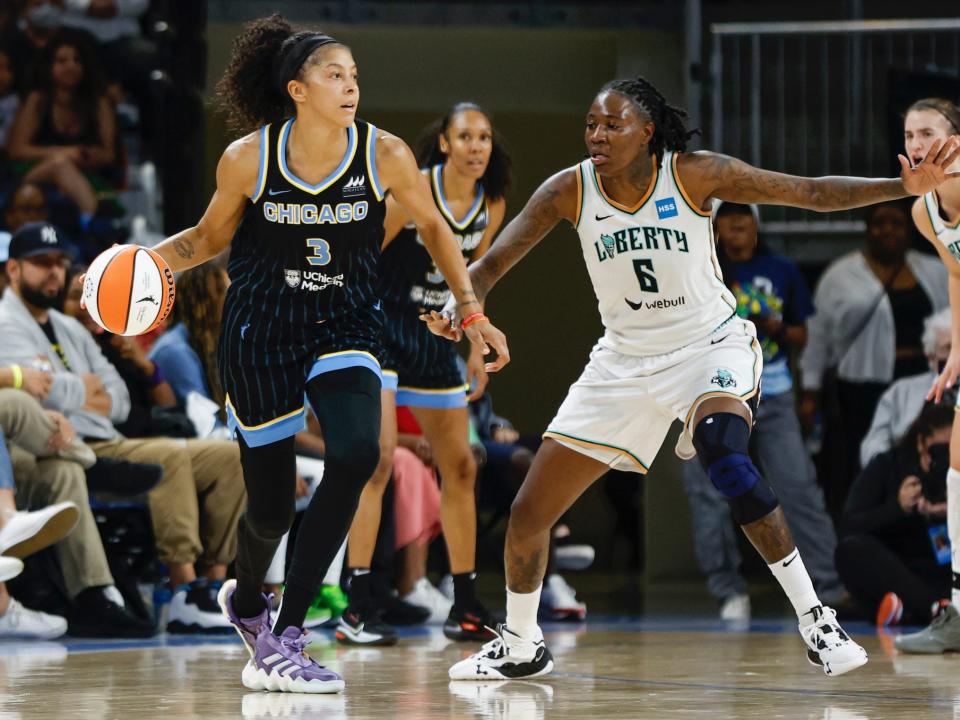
[
  {"x": 824, "y": 625},
  {"x": 493, "y": 648},
  {"x": 298, "y": 647}
]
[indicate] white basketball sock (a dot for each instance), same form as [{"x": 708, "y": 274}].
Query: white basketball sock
[
  {"x": 522, "y": 613},
  {"x": 953, "y": 530},
  {"x": 793, "y": 578}
]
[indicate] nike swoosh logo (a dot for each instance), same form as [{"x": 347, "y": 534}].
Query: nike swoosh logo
[
  {"x": 787, "y": 562},
  {"x": 598, "y": 218},
  {"x": 633, "y": 305},
  {"x": 273, "y": 192},
  {"x": 714, "y": 342}
]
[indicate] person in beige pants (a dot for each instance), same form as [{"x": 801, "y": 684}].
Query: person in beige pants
[{"x": 45, "y": 476}]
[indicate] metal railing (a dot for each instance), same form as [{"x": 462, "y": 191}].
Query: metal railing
[{"x": 815, "y": 98}]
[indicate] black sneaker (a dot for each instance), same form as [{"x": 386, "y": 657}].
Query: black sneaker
[
  {"x": 194, "y": 609},
  {"x": 364, "y": 627},
  {"x": 397, "y": 611},
  {"x": 474, "y": 624},
  {"x": 94, "y": 615},
  {"x": 113, "y": 477}
]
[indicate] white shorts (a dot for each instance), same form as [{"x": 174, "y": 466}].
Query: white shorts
[{"x": 621, "y": 407}]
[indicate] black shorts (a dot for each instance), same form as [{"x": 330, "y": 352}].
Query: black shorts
[
  {"x": 420, "y": 366},
  {"x": 265, "y": 365}
]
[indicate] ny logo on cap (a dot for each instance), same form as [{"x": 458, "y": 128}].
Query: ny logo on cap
[{"x": 48, "y": 235}]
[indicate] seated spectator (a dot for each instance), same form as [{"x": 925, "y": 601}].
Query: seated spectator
[
  {"x": 867, "y": 305},
  {"x": 22, "y": 534},
  {"x": 772, "y": 294},
  {"x": 902, "y": 402},
  {"x": 48, "y": 463},
  {"x": 65, "y": 133},
  {"x": 9, "y": 99},
  {"x": 127, "y": 57},
  {"x": 891, "y": 553},
  {"x": 152, "y": 402},
  {"x": 196, "y": 506}
]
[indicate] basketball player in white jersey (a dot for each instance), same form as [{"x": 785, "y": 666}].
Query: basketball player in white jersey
[
  {"x": 673, "y": 347},
  {"x": 937, "y": 216}
]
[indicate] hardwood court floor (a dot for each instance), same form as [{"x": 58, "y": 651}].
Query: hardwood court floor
[{"x": 660, "y": 668}]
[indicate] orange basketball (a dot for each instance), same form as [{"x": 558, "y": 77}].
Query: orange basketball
[{"x": 128, "y": 290}]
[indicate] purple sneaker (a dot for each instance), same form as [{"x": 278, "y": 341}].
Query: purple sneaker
[
  {"x": 247, "y": 628},
  {"x": 281, "y": 664}
]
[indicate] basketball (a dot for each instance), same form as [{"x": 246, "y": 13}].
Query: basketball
[{"x": 128, "y": 290}]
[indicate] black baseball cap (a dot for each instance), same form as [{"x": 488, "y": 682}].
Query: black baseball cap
[{"x": 39, "y": 238}]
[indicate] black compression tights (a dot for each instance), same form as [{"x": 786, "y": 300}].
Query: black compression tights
[{"x": 347, "y": 405}]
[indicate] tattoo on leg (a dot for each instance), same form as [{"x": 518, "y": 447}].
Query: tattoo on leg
[
  {"x": 525, "y": 573},
  {"x": 184, "y": 248},
  {"x": 771, "y": 536}
]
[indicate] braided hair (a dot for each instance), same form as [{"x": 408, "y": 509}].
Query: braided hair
[
  {"x": 200, "y": 293},
  {"x": 670, "y": 130},
  {"x": 498, "y": 175}
]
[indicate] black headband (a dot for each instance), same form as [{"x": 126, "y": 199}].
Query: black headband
[{"x": 291, "y": 59}]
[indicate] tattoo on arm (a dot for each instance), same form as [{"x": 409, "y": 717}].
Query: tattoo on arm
[
  {"x": 184, "y": 248},
  {"x": 735, "y": 180},
  {"x": 538, "y": 218}
]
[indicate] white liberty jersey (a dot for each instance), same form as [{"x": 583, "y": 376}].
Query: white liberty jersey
[
  {"x": 948, "y": 235},
  {"x": 654, "y": 267}
]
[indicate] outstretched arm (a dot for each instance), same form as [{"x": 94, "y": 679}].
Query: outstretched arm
[
  {"x": 236, "y": 176},
  {"x": 555, "y": 200},
  {"x": 712, "y": 175}
]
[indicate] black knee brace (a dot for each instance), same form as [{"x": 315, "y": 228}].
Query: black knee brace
[{"x": 722, "y": 442}]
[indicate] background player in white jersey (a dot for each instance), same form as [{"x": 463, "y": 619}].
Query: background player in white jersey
[
  {"x": 937, "y": 217},
  {"x": 672, "y": 346}
]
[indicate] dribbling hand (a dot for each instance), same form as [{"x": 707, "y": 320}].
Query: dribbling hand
[{"x": 932, "y": 171}]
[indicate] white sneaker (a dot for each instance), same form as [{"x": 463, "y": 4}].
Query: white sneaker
[
  {"x": 25, "y": 533},
  {"x": 506, "y": 657},
  {"x": 829, "y": 646},
  {"x": 736, "y": 608},
  {"x": 19, "y": 621},
  {"x": 10, "y": 568},
  {"x": 577, "y": 556},
  {"x": 558, "y": 601},
  {"x": 425, "y": 595},
  {"x": 446, "y": 587}
]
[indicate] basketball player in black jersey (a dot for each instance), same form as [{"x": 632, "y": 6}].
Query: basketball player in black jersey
[
  {"x": 300, "y": 201},
  {"x": 469, "y": 172}
]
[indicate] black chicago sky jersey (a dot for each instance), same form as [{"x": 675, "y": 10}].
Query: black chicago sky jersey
[
  {"x": 304, "y": 254},
  {"x": 408, "y": 277}
]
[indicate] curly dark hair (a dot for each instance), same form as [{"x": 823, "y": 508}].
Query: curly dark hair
[
  {"x": 670, "y": 129},
  {"x": 197, "y": 291},
  {"x": 496, "y": 178},
  {"x": 86, "y": 96},
  {"x": 247, "y": 94}
]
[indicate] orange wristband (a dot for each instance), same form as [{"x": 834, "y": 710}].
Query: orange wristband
[{"x": 471, "y": 319}]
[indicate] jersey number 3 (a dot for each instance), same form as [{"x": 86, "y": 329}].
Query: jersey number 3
[
  {"x": 321, "y": 251},
  {"x": 648, "y": 283}
]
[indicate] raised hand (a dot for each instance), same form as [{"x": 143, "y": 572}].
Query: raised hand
[{"x": 932, "y": 171}]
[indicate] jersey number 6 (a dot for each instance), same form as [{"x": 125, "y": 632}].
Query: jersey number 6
[
  {"x": 648, "y": 283},
  {"x": 321, "y": 251}
]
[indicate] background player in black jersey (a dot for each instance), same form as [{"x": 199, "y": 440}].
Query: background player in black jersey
[
  {"x": 301, "y": 202},
  {"x": 469, "y": 172}
]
